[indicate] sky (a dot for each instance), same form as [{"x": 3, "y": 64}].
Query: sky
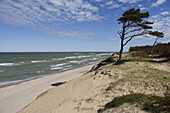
[{"x": 74, "y": 25}]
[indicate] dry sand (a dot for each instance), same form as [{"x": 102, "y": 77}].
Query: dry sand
[
  {"x": 88, "y": 93},
  {"x": 14, "y": 98}
]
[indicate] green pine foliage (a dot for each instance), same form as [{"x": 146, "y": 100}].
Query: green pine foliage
[{"x": 134, "y": 25}]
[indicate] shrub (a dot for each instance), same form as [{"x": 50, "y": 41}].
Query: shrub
[{"x": 163, "y": 50}]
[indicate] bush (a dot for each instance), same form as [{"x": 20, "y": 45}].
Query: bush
[
  {"x": 149, "y": 103},
  {"x": 163, "y": 50}
]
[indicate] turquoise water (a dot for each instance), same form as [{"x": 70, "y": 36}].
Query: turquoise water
[{"x": 19, "y": 67}]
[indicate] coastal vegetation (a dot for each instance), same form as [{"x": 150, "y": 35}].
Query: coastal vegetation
[
  {"x": 141, "y": 73},
  {"x": 158, "y": 50},
  {"x": 134, "y": 25},
  {"x": 153, "y": 104}
]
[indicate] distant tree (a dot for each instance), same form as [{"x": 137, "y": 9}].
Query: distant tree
[
  {"x": 155, "y": 42},
  {"x": 133, "y": 25}
]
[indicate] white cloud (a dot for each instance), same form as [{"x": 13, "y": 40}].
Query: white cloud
[
  {"x": 124, "y": 8},
  {"x": 158, "y": 2},
  {"x": 97, "y": 0},
  {"x": 109, "y": 2},
  {"x": 165, "y": 41},
  {"x": 112, "y": 5},
  {"x": 60, "y": 10},
  {"x": 129, "y": 1},
  {"x": 165, "y": 13},
  {"x": 42, "y": 15},
  {"x": 155, "y": 16},
  {"x": 143, "y": 8},
  {"x": 161, "y": 24},
  {"x": 140, "y": 5}
]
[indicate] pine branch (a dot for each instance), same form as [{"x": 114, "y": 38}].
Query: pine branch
[
  {"x": 130, "y": 37},
  {"x": 143, "y": 26},
  {"x": 133, "y": 31},
  {"x": 147, "y": 22},
  {"x": 128, "y": 41},
  {"x": 128, "y": 25},
  {"x": 119, "y": 32},
  {"x": 156, "y": 33}
]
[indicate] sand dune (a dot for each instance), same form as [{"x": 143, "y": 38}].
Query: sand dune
[{"x": 93, "y": 90}]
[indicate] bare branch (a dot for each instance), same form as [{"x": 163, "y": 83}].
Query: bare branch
[
  {"x": 130, "y": 37},
  {"x": 128, "y": 41},
  {"x": 128, "y": 26},
  {"x": 155, "y": 41},
  {"x": 119, "y": 32}
]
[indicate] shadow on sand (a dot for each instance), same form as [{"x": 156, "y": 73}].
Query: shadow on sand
[{"x": 58, "y": 83}]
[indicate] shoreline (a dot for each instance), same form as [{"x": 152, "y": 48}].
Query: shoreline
[
  {"x": 41, "y": 76},
  {"x": 15, "y": 97}
]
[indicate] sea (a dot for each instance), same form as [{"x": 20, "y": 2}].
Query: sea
[{"x": 20, "y": 67}]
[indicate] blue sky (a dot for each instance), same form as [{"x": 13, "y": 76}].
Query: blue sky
[{"x": 74, "y": 25}]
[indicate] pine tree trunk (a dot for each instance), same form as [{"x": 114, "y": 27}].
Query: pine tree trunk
[
  {"x": 122, "y": 39},
  {"x": 121, "y": 50}
]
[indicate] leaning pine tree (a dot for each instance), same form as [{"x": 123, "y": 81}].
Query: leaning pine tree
[{"x": 134, "y": 26}]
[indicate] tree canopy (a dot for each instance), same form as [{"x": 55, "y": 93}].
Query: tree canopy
[{"x": 133, "y": 25}]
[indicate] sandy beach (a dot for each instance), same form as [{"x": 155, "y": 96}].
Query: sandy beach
[
  {"x": 92, "y": 91},
  {"x": 15, "y": 97}
]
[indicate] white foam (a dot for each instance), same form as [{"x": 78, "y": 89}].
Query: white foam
[
  {"x": 93, "y": 59},
  {"x": 8, "y": 64},
  {"x": 92, "y": 62},
  {"x": 84, "y": 56},
  {"x": 55, "y": 59},
  {"x": 60, "y": 58},
  {"x": 55, "y": 68},
  {"x": 15, "y": 81},
  {"x": 57, "y": 65},
  {"x": 103, "y": 54},
  {"x": 68, "y": 66},
  {"x": 38, "y": 61},
  {"x": 39, "y": 71},
  {"x": 74, "y": 61},
  {"x": 66, "y": 69},
  {"x": 82, "y": 61},
  {"x": 71, "y": 57}
]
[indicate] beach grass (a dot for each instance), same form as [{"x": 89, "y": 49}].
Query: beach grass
[{"x": 148, "y": 103}]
